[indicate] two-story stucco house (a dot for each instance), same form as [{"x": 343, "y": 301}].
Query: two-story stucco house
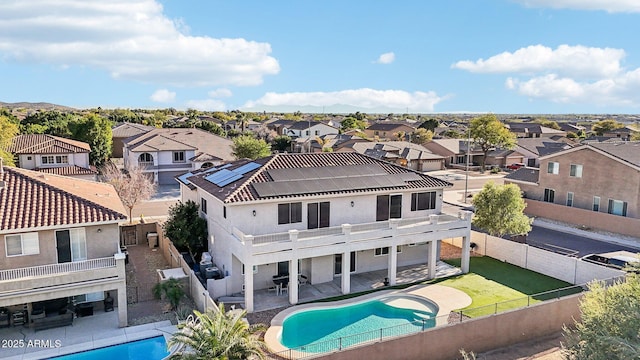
[
  {"x": 321, "y": 215},
  {"x": 59, "y": 243},
  {"x": 53, "y": 155},
  {"x": 167, "y": 153},
  {"x": 594, "y": 185}
]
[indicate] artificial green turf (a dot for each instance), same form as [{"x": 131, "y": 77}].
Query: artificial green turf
[{"x": 490, "y": 282}]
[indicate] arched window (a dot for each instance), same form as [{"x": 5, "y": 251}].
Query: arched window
[
  {"x": 206, "y": 165},
  {"x": 145, "y": 158}
]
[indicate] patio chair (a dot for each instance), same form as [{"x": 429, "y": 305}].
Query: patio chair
[
  {"x": 302, "y": 280},
  {"x": 284, "y": 288}
]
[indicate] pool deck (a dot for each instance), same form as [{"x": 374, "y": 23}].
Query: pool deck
[
  {"x": 86, "y": 333},
  {"x": 446, "y": 298}
]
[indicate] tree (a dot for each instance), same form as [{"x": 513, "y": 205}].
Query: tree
[
  {"x": 324, "y": 144},
  {"x": 547, "y": 123},
  {"x": 608, "y": 327},
  {"x": 430, "y": 124},
  {"x": 489, "y": 133},
  {"x": 499, "y": 210},
  {"x": 218, "y": 334},
  {"x": 132, "y": 184},
  {"x": 400, "y": 135},
  {"x": 172, "y": 290},
  {"x": 604, "y": 126},
  {"x": 421, "y": 136},
  {"x": 281, "y": 143},
  {"x": 8, "y": 130},
  {"x": 95, "y": 131},
  {"x": 350, "y": 123},
  {"x": 246, "y": 146},
  {"x": 186, "y": 229}
]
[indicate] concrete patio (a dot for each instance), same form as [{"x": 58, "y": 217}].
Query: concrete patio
[{"x": 267, "y": 300}]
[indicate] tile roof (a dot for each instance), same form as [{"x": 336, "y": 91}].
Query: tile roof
[
  {"x": 46, "y": 144},
  {"x": 67, "y": 170},
  {"x": 181, "y": 139},
  {"x": 541, "y": 146},
  {"x": 125, "y": 130},
  {"x": 243, "y": 190},
  {"x": 525, "y": 174},
  {"x": 628, "y": 151},
  {"x": 31, "y": 199},
  {"x": 387, "y": 126}
]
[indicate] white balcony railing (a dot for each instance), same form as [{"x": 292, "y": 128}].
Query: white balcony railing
[
  {"x": 57, "y": 269},
  {"x": 441, "y": 222}
]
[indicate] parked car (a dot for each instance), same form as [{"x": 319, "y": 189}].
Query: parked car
[
  {"x": 515, "y": 166},
  {"x": 616, "y": 259}
]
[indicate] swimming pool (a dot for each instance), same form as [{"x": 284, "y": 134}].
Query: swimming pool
[
  {"x": 148, "y": 349},
  {"x": 342, "y": 326}
]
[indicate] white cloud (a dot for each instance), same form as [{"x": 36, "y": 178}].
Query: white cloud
[
  {"x": 386, "y": 58},
  {"x": 130, "y": 39},
  {"x": 605, "y": 5},
  {"x": 163, "y": 96},
  {"x": 365, "y": 98},
  {"x": 581, "y": 61},
  {"x": 207, "y": 105},
  {"x": 219, "y": 93}
]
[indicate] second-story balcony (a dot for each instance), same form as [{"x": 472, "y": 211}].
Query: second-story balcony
[
  {"x": 36, "y": 278},
  {"x": 330, "y": 240}
]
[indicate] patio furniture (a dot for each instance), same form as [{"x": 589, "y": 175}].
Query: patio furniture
[
  {"x": 284, "y": 288},
  {"x": 302, "y": 280},
  {"x": 52, "y": 321}
]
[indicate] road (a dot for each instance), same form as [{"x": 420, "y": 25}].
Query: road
[{"x": 543, "y": 237}]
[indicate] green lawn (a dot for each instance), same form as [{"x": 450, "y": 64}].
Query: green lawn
[{"x": 490, "y": 282}]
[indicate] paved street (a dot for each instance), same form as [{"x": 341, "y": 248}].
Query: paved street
[{"x": 552, "y": 239}]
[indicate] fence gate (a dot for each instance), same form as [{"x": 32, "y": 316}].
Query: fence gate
[{"x": 129, "y": 236}]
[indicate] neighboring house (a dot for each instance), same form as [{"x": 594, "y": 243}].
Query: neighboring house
[
  {"x": 403, "y": 153},
  {"x": 124, "y": 131},
  {"x": 59, "y": 244},
  {"x": 503, "y": 157},
  {"x": 601, "y": 179},
  {"x": 53, "y": 155},
  {"x": 320, "y": 215},
  {"x": 533, "y": 148},
  {"x": 455, "y": 152},
  {"x": 308, "y": 128},
  {"x": 337, "y": 142},
  {"x": 532, "y": 130},
  {"x": 388, "y": 131},
  {"x": 167, "y": 153}
]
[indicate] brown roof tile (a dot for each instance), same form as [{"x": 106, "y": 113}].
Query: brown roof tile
[
  {"x": 46, "y": 144},
  {"x": 31, "y": 199}
]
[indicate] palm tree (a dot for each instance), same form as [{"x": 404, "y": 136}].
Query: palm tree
[{"x": 217, "y": 334}]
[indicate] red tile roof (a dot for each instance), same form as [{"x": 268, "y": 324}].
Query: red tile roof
[
  {"x": 31, "y": 199},
  {"x": 67, "y": 170},
  {"x": 46, "y": 144},
  {"x": 243, "y": 190}
]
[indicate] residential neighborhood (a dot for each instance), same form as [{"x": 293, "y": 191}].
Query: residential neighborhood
[{"x": 334, "y": 213}]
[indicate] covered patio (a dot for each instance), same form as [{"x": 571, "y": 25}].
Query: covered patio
[{"x": 266, "y": 299}]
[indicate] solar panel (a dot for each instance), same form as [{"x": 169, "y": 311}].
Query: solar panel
[
  {"x": 183, "y": 178},
  {"x": 246, "y": 168},
  {"x": 218, "y": 176},
  {"x": 229, "y": 180}
]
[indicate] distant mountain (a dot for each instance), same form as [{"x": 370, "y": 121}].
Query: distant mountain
[{"x": 35, "y": 106}]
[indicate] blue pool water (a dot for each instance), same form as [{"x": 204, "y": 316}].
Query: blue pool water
[
  {"x": 338, "y": 327},
  {"x": 149, "y": 349}
]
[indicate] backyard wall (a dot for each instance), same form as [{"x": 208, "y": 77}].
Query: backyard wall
[
  {"x": 569, "y": 269},
  {"x": 477, "y": 335}
]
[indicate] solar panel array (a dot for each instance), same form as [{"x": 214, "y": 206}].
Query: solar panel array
[
  {"x": 183, "y": 178},
  {"x": 330, "y": 179},
  {"x": 224, "y": 176}
]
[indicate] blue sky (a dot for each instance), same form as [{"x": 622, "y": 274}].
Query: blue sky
[{"x": 500, "y": 56}]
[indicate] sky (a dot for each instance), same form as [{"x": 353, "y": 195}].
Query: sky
[{"x": 329, "y": 56}]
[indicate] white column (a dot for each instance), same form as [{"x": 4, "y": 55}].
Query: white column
[
  {"x": 122, "y": 306},
  {"x": 393, "y": 264},
  {"x": 248, "y": 287},
  {"x": 346, "y": 274},
  {"x": 293, "y": 281},
  {"x": 432, "y": 258},
  {"x": 465, "y": 257}
]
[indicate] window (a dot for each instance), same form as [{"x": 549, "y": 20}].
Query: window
[
  {"x": 29, "y": 158},
  {"x": 71, "y": 245},
  {"x": 255, "y": 269},
  {"x": 337, "y": 263},
  {"x": 553, "y": 168},
  {"x": 596, "y": 203},
  {"x": 381, "y": 251},
  {"x": 549, "y": 195},
  {"x": 576, "y": 171},
  {"x": 318, "y": 215},
  {"x": 289, "y": 213},
  {"x": 22, "y": 244},
  {"x": 569, "y": 199},
  {"x": 48, "y": 160},
  {"x": 224, "y": 212},
  {"x": 617, "y": 207},
  {"x": 145, "y": 158},
  {"x": 203, "y": 205},
  {"x": 460, "y": 159},
  {"x": 388, "y": 207},
  {"x": 62, "y": 159},
  {"x": 317, "y": 132},
  {"x": 178, "y": 156},
  {"x": 423, "y": 201},
  {"x": 376, "y": 133},
  {"x": 283, "y": 268}
]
